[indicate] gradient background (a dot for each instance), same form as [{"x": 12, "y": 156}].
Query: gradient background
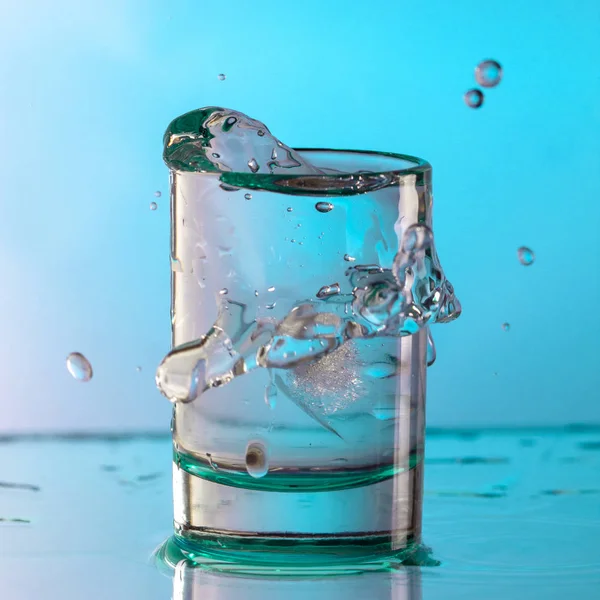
[{"x": 88, "y": 89}]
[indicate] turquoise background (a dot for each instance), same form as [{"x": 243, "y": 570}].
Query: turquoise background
[{"x": 88, "y": 89}]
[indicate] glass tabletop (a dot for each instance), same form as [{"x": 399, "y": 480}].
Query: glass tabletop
[{"x": 513, "y": 513}]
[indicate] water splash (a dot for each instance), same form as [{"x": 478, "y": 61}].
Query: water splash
[
  {"x": 192, "y": 140},
  {"x": 384, "y": 302}
]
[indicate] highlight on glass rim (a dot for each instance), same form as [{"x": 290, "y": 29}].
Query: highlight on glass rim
[{"x": 287, "y": 275}]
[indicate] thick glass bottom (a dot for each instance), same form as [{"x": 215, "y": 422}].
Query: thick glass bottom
[{"x": 294, "y": 558}]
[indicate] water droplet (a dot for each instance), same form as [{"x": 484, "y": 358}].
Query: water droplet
[
  {"x": 349, "y": 258},
  {"x": 256, "y": 293},
  {"x": 216, "y": 155},
  {"x": 271, "y": 306},
  {"x": 257, "y": 463},
  {"x": 260, "y": 132},
  {"x": 79, "y": 366},
  {"x": 138, "y": 369},
  {"x": 211, "y": 462},
  {"x": 176, "y": 265},
  {"x": 324, "y": 207},
  {"x": 431, "y": 353},
  {"x": 248, "y": 196},
  {"x": 158, "y": 193},
  {"x": 488, "y": 73},
  {"x": 506, "y": 326},
  {"x": 253, "y": 165},
  {"x": 328, "y": 290},
  {"x": 289, "y": 209},
  {"x": 222, "y": 76},
  {"x": 274, "y": 154},
  {"x": 473, "y": 98},
  {"x": 526, "y": 256},
  {"x": 271, "y": 289},
  {"x": 271, "y": 395},
  {"x": 153, "y": 206},
  {"x": 223, "y": 291},
  {"x": 293, "y": 241}
]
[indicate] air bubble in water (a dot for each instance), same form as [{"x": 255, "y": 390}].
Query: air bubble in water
[
  {"x": 222, "y": 76},
  {"x": 488, "y": 73},
  {"x": 248, "y": 196},
  {"x": 473, "y": 98},
  {"x": 324, "y": 207},
  {"x": 289, "y": 209},
  {"x": 328, "y": 290},
  {"x": 506, "y": 326},
  {"x": 158, "y": 193},
  {"x": 271, "y": 395},
  {"x": 526, "y": 256},
  {"x": 349, "y": 258},
  {"x": 153, "y": 206},
  {"x": 223, "y": 291},
  {"x": 79, "y": 367},
  {"x": 253, "y": 165},
  {"x": 257, "y": 463}
]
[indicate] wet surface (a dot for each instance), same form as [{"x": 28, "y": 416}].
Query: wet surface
[{"x": 80, "y": 517}]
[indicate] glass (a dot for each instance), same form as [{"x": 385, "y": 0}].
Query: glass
[{"x": 319, "y": 462}]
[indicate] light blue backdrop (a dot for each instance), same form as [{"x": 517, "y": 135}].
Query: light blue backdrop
[{"x": 88, "y": 89}]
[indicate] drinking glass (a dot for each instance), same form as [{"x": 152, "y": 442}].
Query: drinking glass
[{"x": 320, "y": 462}]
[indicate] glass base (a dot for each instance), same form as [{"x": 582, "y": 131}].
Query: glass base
[{"x": 234, "y": 555}]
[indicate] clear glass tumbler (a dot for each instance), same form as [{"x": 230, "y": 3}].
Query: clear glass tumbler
[{"x": 312, "y": 462}]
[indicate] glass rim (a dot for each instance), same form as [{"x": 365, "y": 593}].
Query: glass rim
[{"x": 322, "y": 184}]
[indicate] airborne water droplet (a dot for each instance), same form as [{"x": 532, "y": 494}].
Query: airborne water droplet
[
  {"x": 271, "y": 395},
  {"x": 324, "y": 207},
  {"x": 271, "y": 306},
  {"x": 473, "y": 98},
  {"x": 79, "y": 367},
  {"x": 349, "y": 258},
  {"x": 138, "y": 369},
  {"x": 253, "y": 165},
  {"x": 271, "y": 289},
  {"x": 289, "y": 209},
  {"x": 216, "y": 155},
  {"x": 153, "y": 206},
  {"x": 158, "y": 193},
  {"x": 526, "y": 256},
  {"x": 248, "y": 196},
  {"x": 506, "y": 326},
  {"x": 488, "y": 73},
  {"x": 257, "y": 463},
  {"x": 222, "y": 76},
  {"x": 223, "y": 291}
]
